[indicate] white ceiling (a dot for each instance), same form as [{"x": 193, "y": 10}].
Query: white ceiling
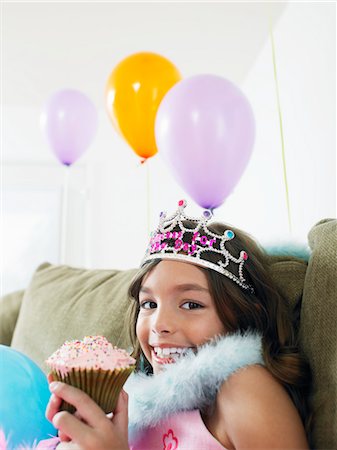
[{"x": 51, "y": 46}]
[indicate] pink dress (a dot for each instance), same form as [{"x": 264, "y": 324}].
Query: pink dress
[{"x": 182, "y": 431}]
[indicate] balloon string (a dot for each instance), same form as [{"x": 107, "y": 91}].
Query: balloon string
[
  {"x": 281, "y": 123},
  {"x": 65, "y": 191},
  {"x": 148, "y": 197}
]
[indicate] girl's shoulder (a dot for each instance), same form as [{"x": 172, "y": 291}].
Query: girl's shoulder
[
  {"x": 247, "y": 393},
  {"x": 246, "y": 380},
  {"x": 253, "y": 400}
]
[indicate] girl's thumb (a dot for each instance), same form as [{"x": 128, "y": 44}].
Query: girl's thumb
[{"x": 120, "y": 416}]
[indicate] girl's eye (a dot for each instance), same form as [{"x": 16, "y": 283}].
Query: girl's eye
[
  {"x": 148, "y": 304},
  {"x": 191, "y": 305}
]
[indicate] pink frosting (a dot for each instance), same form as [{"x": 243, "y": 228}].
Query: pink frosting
[{"x": 93, "y": 352}]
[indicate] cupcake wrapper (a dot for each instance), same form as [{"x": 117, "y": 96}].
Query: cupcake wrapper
[{"x": 103, "y": 386}]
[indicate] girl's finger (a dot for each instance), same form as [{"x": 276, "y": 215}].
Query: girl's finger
[
  {"x": 120, "y": 416},
  {"x": 63, "y": 437},
  {"x": 53, "y": 406},
  {"x": 91, "y": 413},
  {"x": 50, "y": 377},
  {"x": 71, "y": 427}
]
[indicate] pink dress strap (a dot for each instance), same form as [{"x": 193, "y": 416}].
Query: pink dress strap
[{"x": 184, "y": 430}]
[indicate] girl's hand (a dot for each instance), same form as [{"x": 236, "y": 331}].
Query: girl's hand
[{"x": 89, "y": 427}]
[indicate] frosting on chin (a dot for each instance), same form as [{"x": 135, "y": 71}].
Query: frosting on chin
[{"x": 93, "y": 352}]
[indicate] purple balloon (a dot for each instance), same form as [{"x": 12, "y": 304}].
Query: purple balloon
[
  {"x": 205, "y": 131},
  {"x": 69, "y": 121}
]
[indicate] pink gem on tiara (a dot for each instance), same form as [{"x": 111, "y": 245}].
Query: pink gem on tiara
[
  {"x": 244, "y": 255},
  {"x": 183, "y": 238}
]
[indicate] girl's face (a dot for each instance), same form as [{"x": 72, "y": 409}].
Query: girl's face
[{"x": 176, "y": 313}]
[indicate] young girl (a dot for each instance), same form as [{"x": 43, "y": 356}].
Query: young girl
[{"x": 210, "y": 325}]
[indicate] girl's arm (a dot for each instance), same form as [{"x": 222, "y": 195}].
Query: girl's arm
[
  {"x": 89, "y": 428},
  {"x": 256, "y": 412}
]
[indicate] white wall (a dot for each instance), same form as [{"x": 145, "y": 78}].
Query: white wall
[
  {"x": 111, "y": 228},
  {"x": 305, "y": 48}
]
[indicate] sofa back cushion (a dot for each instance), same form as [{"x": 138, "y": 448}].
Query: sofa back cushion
[
  {"x": 318, "y": 330},
  {"x": 10, "y": 305},
  {"x": 63, "y": 303}
]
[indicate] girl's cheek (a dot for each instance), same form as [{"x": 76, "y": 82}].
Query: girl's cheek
[{"x": 141, "y": 330}]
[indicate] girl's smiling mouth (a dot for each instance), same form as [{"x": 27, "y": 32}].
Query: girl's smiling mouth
[{"x": 168, "y": 355}]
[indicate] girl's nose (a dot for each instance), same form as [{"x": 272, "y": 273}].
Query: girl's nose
[{"x": 163, "y": 322}]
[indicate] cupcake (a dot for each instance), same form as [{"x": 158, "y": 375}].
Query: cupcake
[{"x": 93, "y": 365}]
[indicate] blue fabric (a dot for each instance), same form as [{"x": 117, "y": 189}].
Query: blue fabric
[{"x": 301, "y": 251}]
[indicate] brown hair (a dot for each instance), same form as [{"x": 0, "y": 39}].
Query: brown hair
[{"x": 264, "y": 310}]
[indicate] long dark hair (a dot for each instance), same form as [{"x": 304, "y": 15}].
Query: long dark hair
[{"x": 264, "y": 310}]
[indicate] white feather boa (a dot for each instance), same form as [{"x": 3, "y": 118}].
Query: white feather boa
[{"x": 192, "y": 382}]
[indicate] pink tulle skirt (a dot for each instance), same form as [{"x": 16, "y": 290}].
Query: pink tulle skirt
[{"x": 46, "y": 444}]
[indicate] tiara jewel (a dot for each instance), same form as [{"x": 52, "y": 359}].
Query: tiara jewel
[{"x": 188, "y": 239}]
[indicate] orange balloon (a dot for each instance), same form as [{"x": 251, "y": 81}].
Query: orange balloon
[{"x": 134, "y": 91}]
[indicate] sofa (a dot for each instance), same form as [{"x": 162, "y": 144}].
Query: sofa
[{"x": 63, "y": 303}]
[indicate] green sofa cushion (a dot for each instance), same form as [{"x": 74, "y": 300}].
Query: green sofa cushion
[
  {"x": 318, "y": 330},
  {"x": 10, "y": 306},
  {"x": 63, "y": 303},
  {"x": 288, "y": 273}
]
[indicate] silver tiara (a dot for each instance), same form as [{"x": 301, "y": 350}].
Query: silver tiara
[{"x": 192, "y": 244}]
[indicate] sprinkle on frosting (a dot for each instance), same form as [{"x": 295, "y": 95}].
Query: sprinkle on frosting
[{"x": 93, "y": 352}]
